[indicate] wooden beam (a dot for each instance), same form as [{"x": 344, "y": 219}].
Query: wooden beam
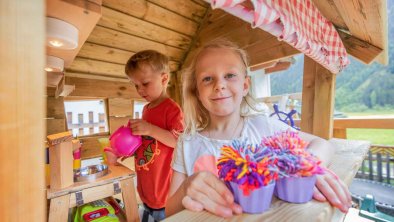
[
  {"x": 260, "y": 54},
  {"x": 138, "y": 27},
  {"x": 279, "y": 66},
  {"x": 155, "y": 14},
  {"x": 261, "y": 46},
  {"x": 112, "y": 55},
  {"x": 96, "y": 77},
  {"x": 330, "y": 12},
  {"x": 361, "y": 50},
  {"x": 22, "y": 126},
  {"x": 102, "y": 89},
  {"x": 263, "y": 66},
  {"x": 115, "y": 39},
  {"x": 187, "y": 9},
  {"x": 97, "y": 67},
  {"x": 371, "y": 123},
  {"x": 318, "y": 99},
  {"x": 366, "y": 20}
]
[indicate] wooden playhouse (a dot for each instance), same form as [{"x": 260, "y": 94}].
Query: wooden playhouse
[{"x": 109, "y": 32}]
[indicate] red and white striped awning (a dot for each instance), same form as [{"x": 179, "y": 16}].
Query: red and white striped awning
[{"x": 297, "y": 22}]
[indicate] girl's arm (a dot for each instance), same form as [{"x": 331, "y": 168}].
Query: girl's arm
[
  {"x": 203, "y": 190},
  {"x": 328, "y": 186}
]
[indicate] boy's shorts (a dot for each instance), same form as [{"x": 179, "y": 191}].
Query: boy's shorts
[{"x": 152, "y": 215}]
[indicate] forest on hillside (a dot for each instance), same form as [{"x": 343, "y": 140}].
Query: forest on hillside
[{"x": 359, "y": 87}]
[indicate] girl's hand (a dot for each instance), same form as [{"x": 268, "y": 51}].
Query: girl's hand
[
  {"x": 332, "y": 189},
  {"x": 204, "y": 190},
  {"x": 140, "y": 127}
]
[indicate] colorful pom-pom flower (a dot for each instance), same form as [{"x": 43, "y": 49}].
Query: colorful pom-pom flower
[{"x": 249, "y": 166}]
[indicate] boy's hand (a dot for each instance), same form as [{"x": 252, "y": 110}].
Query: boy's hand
[
  {"x": 140, "y": 127},
  {"x": 330, "y": 188},
  {"x": 204, "y": 190}
]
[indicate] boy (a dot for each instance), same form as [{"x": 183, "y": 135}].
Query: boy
[{"x": 161, "y": 123}]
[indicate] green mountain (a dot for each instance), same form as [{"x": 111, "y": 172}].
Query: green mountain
[{"x": 359, "y": 87}]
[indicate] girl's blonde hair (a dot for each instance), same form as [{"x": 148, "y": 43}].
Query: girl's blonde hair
[{"x": 195, "y": 114}]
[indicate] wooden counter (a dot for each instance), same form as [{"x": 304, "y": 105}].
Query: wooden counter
[
  {"x": 347, "y": 160},
  {"x": 118, "y": 180}
]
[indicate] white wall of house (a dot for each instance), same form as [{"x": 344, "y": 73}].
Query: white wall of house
[{"x": 261, "y": 86}]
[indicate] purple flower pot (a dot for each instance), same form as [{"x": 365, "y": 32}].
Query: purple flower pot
[
  {"x": 258, "y": 201},
  {"x": 295, "y": 189}
]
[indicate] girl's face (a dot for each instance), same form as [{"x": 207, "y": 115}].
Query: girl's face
[{"x": 221, "y": 81}]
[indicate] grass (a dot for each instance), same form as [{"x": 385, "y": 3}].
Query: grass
[
  {"x": 371, "y": 112},
  {"x": 376, "y": 136}
]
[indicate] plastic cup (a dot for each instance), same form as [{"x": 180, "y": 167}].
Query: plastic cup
[
  {"x": 295, "y": 189},
  {"x": 258, "y": 200}
]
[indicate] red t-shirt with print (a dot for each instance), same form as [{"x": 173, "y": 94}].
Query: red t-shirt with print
[{"x": 153, "y": 158}]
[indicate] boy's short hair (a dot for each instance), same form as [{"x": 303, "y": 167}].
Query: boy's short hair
[{"x": 154, "y": 59}]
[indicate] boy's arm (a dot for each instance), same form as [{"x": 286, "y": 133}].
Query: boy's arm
[
  {"x": 162, "y": 135},
  {"x": 141, "y": 127}
]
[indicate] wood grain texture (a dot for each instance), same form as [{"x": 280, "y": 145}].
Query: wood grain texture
[
  {"x": 102, "y": 88},
  {"x": 22, "y": 102},
  {"x": 318, "y": 96},
  {"x": 101, "y": 53},
  {"x": 91, "y": 147},
  {"x": 361, "y": 50},
  {"x": 138, "y": 27},
  {"x": 130, "y": 200},
  {"x": 323, "y": 102},
  {"x": 120, "y": 107},
  {"x": 55, "y": 107},
  {"x": 308, "y": 95},
  {"x": 120, "y": 40},
  {"x": 155, "y": 14},
  {"x": 188, "y": 8}
]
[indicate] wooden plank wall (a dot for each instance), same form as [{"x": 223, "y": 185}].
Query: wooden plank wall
[
  {"x": 119, "y": 97},
  {"x": 128, "y": 26},
  {"x": 22, "y": 102}
]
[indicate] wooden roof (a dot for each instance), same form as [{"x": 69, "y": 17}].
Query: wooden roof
[{"x": 176, "y": 27}]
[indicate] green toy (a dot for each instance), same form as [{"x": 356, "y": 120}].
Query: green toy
[
  {"x": 97, "y": 211},
  {"x": 368, "y": 210}
]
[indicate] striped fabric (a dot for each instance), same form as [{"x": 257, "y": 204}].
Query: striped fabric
[{"x": 297, "y": 22}]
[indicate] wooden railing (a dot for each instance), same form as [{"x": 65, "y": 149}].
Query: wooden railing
[{"x": 379, "y": 164}]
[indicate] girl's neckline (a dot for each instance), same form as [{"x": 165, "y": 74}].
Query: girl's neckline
[{"x": 246, "y": 119}]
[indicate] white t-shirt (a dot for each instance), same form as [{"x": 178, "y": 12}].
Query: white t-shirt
[{"x": 197, "y": 153}]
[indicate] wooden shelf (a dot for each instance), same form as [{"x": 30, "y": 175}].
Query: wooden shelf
[{"x": 84, "y": 15}]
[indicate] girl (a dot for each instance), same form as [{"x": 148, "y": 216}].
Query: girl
[{"x": 218, "y": 108}]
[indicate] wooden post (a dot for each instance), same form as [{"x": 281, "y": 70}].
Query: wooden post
[
  {"x": 80, "y": 122},
  {"x": 22, "y": 102},
  {"x": 61, "y": 160},
  {"x": 90, "y": 116},
  {"x": 317, "y": 99},
  {"x": 69, "y": 117},
  {"x": 101, "y": 117}
]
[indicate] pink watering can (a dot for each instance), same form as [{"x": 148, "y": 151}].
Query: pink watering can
[{"x": 123, "y": 142}]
